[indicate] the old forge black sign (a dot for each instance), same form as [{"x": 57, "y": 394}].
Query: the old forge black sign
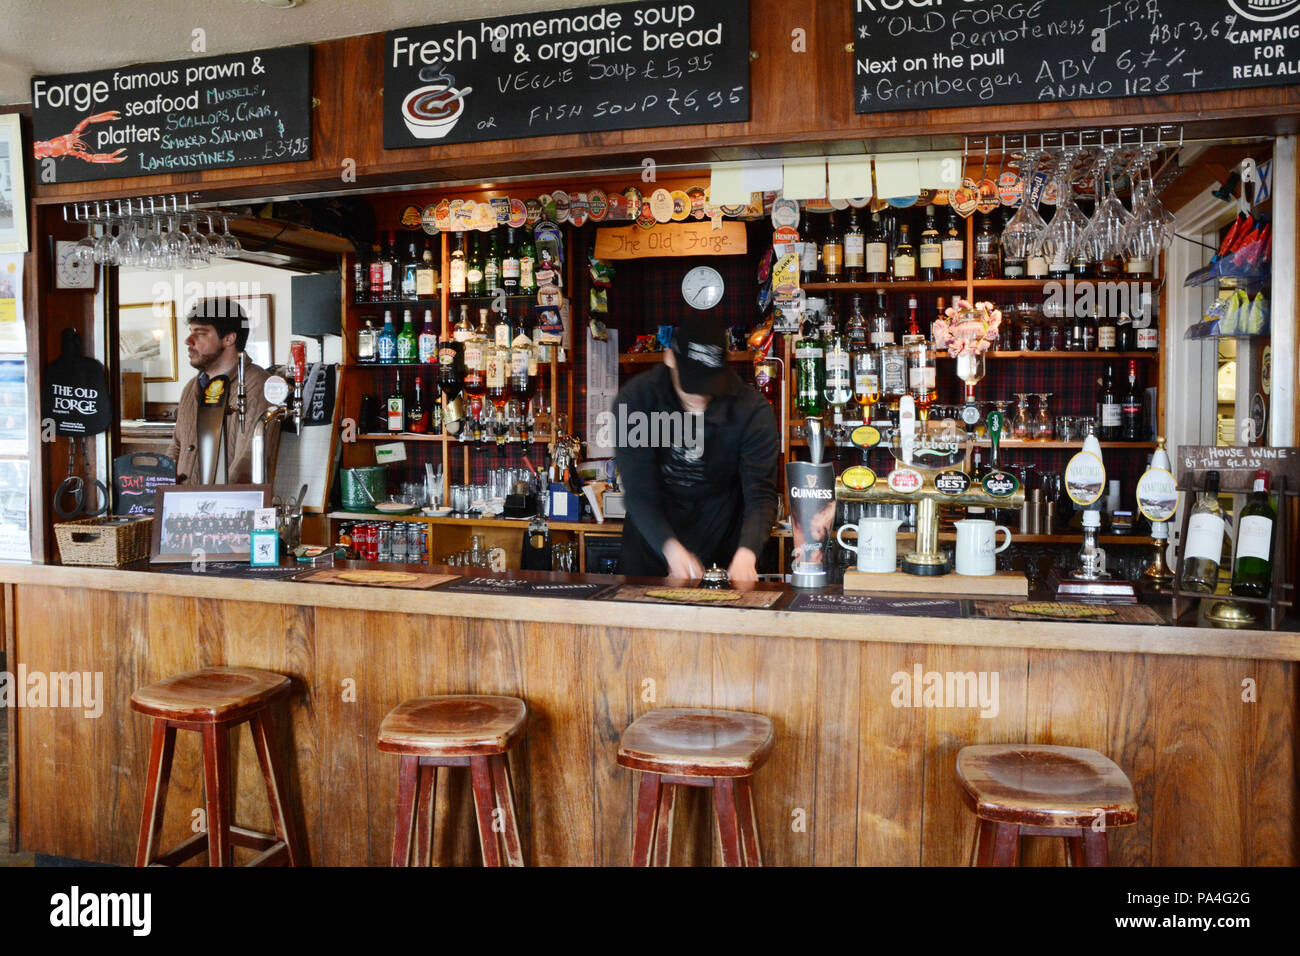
[
  {"x": 619, "y": 66},
  {"x": 922, "y": 54},
  {"x": 241, "y": 109}
]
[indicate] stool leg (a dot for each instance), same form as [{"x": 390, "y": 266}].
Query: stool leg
[
  {"x": 275, "y": 789},
  {"x": 407, "y": 772},
  {"x": 216, "y": 783},
  {"x": 481, "y": 778},
  {"x": 1095, "y": 851},
  {"x": 647, "y": 806},
  {"x": 663, "y": 847},
  {"x": 1006, "y": 844},
  {"x": 504, "y": 792},
  {"x": 985, "y": 831},
  {"x": 424, "y": 815},
  {"x": 724, "y": 804},
  {"x": 748, "y": 823},
  {"x": 161, "y": 748}
]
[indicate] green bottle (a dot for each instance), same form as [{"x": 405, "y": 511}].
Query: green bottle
[
  {"x": 1252, "y": 571},
  {"x": 475, "y": 280},
  {"x": 810, "y": 376},
  {"x": 407, "y": 345}
]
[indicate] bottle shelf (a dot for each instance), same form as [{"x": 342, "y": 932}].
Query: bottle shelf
[
  {"x": 435, "y": 302},
  {"x": 1017, "y": 443},
  {"x": 651, "y": 358},
  {"x": 942, "y": 285},
  {"x": 1044, "y": 355},
  {"x": 1037, "y": 284}
]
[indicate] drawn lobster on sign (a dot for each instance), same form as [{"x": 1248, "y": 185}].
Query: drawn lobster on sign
[{"x": 73, "y": 145}]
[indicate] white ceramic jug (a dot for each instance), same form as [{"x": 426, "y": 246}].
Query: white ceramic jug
[{"x": 877, "y": 547}]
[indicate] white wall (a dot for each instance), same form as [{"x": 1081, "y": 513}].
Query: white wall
[{"x": 181, "y": 288}]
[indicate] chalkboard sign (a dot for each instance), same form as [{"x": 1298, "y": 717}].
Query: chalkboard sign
[
  {"x": 241, "y": 109},
  {"x": 625, "y": 66},
  {"x": 1236, "y": 466},
  {"x": 136, "y": 480},
  {"x": 923, "y": 54}
]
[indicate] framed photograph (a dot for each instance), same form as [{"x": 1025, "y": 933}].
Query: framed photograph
[
  {"x": 13, "y": 191},
  {"x": 146, "y": 333},
  {"x": 215, "y": 520},
  {"x": 260, "y": 345}
]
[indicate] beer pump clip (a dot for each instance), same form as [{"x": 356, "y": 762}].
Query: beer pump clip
[
  {"x": 1157, "y": 499},
  {"x": 811, "y": 489},
  {"x": 1085, "y": 482}
]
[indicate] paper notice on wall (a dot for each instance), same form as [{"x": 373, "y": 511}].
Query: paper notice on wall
[
  {"x": 897, "y": 177},
  {"x": 939, "y": 170},
  {"x": 602, "y": 386},
  {"x": 13, "y": 328},
  {"x": 15, "y": 538},
  {"x": 805, "y": 179},
  {"x": 849, "y": 177}
]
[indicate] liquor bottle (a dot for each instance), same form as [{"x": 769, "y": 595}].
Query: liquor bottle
[
  {"x": 877, "y": 251},
  {"x": 810, "y": 377},
  {"x": 1204, "y": 544},
  {"x": 893, "y": 374},
  {"x": 839, "y": 381},
  {"x": 1136, "y": 268},
  {"x": 809, "y": 261},
  {"x": 492, "y": 264},
  {"x": 938, "y": 314},
  {"x": 1109, "y": 408},
  {"x": 931, "y": 248},
  {"x": 1252, "y": 567},
  {"x": 986, "y": 250},
  {"x": 856, "y": 328},
  {"x": 855, "y": 249},
  {"x": 503, "y": 332},
  {"x": 1090, "y": 329},
  {"x": 427, "y": 344},
  {"x": 456, "y": 268},
  {"x": 475, "y": 283},
  {"x": 407, "y": 348},
  {"x": 913, "y": 334},
  {"x": 410, "y": 270},
  {"x": 462, "y": 332},
  {"x": 523, "y": 368},
  {"x": 921, "y": 382},
  {"x": 904, "y": 256},
  {"x": 953, "y": 249},
  {"x": 1107, "y": 333},
  {"x": 417, "y": 416},
  {"x": 1110, "y": 268},
  {"x": 450, "y": 368},
  {"x": 1013, "y": 267},
  {"x": 426, "y": 275},
  {"x": 1148, "y": 332},
  {"x": 474, "y": 358},
  {"x": 498, "y": 377},
  {"x": 1036, "y": 263},
  {"x": 830, "y": 320},
  {"x": 397, "y": 407},
  {"x": 367, "y": 344},
  {"x": 832, "y": 252},
  {"x": 393, "y": 269},
  {"x": 483, "y": 330},
  {"x": 510, "y": 263},
  {"x": 1125, "y": 334},
  {"x": 527, "y": 265},
  {"x": 1081, "y": 264},
  {"x": 360, "y": 278},
  {"x": 1133, "y": 427},
  {"x": 882, "y": 323},
  {"x": 387, "y": 342},
  {"x": 866, "y": 375}
]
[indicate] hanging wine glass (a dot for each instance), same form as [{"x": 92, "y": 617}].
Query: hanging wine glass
[
  {"x": 104, "y": 244},
  {"x": 1152, "y": 226},
  {"x": 199, "y": 252},
  {"x": 127, "y": 254},
  {"x": 1023, "y": 236},
  {"x": 1062, "y": 236},
  {"x": 174, "y": 241},
  {"x": 85, "y": 248},
  {"x": 1103, "y": 240},
  {"x": 229, "y": 245}
]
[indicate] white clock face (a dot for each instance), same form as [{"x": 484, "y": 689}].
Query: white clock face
[
  {"x": 702, "y": 287},
  {"x": 71, "y": 272}
]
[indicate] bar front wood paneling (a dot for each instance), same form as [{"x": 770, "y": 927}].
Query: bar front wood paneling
[{"x": 853, "y": 778}]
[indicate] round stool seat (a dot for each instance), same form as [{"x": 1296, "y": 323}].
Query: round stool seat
[
  {"x": 210, "y": 694},
  {"x": 697, "y": 742},
  {"x": 456, "y": 725},
  {"x": 1041, "y": 785}
]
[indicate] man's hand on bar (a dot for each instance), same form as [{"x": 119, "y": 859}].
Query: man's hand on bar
[
  {"x": 743, "y": 568},
  {"x": 681, "y": 563}
]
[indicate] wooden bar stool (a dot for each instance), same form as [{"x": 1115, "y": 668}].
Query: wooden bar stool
[
  {"x": 1041, "y": 790},
  {"x": 691, "y": 747},
  {"x": 460, "y": 730},
  {"x": 212, "y": 701}
]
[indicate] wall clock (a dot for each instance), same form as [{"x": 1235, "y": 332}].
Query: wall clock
[
  {"x": 702, "y": 287},
  {"x": 69, "y": 271}
]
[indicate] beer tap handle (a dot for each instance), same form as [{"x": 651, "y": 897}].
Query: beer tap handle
[
  {"x": 298, "y": 355},
  {"x": 241, "y": 392}
]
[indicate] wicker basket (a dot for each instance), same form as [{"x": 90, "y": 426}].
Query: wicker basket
[{"x": 104, "y": 541}]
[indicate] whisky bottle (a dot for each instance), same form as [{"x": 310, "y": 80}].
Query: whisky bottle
[
  {"x": 931, "y": 248},
  {"x": 854, "y": 249},
  {"x": 877, "y": 252},
  {"x": 904, "y": 256}
]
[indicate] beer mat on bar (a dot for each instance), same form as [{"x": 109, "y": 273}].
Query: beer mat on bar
[
  {"x": 876, "y": 604},
  {"x": 376, "y": 578},
  {"x": 695, "y": 596},
  {"x": 1063, "y": 611},
  {"x": 233, "y": 569},
  {"x": 578, "y": 590}
]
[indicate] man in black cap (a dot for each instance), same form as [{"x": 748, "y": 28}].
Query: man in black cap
[
  {"x": 218, "y": 331},
  {"x": 700, "y": 474}
]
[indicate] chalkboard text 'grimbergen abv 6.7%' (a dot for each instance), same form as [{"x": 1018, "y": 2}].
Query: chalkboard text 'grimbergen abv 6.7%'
[{"x": 1252, "y": 569}]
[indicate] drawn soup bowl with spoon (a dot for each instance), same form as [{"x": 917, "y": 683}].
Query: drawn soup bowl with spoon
[{"x": 431, "y": 112}]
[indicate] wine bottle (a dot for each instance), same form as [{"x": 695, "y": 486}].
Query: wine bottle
[
  {"x": 457, "y": 268},
  {"x": 475, "y": 282},
  {"x": 810, "y": 376},
  {"x": 1131, "y": 408},
  {"x": 510, "y": 263},
  {"x": 1204, "y": 544},
  {"x": 492, "y": 264},
  {"x": 1109, "y": 408},
  {"x": 1252, "y": 568}
]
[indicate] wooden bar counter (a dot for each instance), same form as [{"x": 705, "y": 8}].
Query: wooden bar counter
[{"x": 1203, "y": 721}]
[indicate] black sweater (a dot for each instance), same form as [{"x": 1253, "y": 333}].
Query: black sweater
[{"x": 714, "y": 487}]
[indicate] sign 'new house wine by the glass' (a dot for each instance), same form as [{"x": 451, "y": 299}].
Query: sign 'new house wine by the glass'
[{"x": 621, "y": 66}]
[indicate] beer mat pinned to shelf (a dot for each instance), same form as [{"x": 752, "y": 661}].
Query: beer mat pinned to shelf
[
  {"x": 579, "y": 590},
  {"x": 876, "y": 604},
  {"x": 695, "y": 596},
  {"x": 376, "y": 578},
  {"x": 232, "y": 569},
  {"x": 1063, "y": 611}
]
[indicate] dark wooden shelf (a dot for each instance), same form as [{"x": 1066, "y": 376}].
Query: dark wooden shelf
[
  {"x": 1012, "y": 284},
  {"x": 1015, "y": 443},
  {"x": 1044, "y": 355},
  {"x": 943, "y": 285},
  {"x": 650, "y": 358}
]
